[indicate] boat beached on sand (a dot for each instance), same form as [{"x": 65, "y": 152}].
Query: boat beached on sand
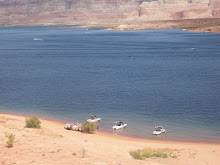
[
  {"x": 159, "y": 130},
  {"x": 119, "y": 125}
]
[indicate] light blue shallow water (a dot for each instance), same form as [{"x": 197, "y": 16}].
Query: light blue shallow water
[{"x": 144, "y": 78}]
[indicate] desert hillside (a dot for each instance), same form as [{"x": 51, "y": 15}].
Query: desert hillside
[{"x": 46, "y": 12}]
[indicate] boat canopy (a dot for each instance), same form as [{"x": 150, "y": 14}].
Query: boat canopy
[
  {"x": 158, "y": 127},
  {"x": 119, "y": 123}
]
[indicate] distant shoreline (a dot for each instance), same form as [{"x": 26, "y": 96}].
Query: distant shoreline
[{"x": 194, "y": 25}]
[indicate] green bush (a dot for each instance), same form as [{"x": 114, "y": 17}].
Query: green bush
[
  {"x": 10, "y": 141},
  {"x": 153, "y": 153},
  {"x": 88, "y": 127},
  {"x": 33, "y": 122},
  {"x": 136, "y": 155},
  {"x": 146, "y": 155},
  {"x": 157, "y": 155},
  {"x": 164, "y": 155}
]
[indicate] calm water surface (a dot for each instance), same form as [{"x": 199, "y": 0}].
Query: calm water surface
[{"x": 144, "y": 78}]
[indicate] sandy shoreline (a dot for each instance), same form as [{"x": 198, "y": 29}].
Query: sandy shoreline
[
  {"x": 110, "y": 133},
  {"x": 52, "y": 144}
]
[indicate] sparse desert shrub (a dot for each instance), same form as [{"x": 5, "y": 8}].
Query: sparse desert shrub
[
  {"x": 164, "y": 155},
  {"x": 157, "y": 155},
  {"x": 33, "y": 122},
  {"x": 146, "y": 154},
  {"x": 174, "y": 156},
  {"x": 137, "y": 155},
  {"x": 88, "y": 127},
  {"x": 10, "y": 141},
  {"x": 150, "y": 153}
]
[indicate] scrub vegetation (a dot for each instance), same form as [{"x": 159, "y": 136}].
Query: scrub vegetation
[
  {"x": 154, "y": 153},
  {"x": 33, "y": 122},
  {"x": 88, "y": 127},
  {"x": 10, "y": 141}
]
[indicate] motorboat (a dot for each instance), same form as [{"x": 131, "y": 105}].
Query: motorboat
[
  {"x": 159, "y": 130},
  {"x": 119, "y": 125},
  {"x": 93, "y": 119}
]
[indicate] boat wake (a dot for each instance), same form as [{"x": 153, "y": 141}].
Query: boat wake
[{"x": 37, "y": 39}]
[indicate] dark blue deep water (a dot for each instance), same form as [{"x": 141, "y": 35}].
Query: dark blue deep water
[{"x": 144, "y": 78}]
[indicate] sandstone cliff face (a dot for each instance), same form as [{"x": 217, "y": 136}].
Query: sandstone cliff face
[
  {"x": 176, "y": 9},
  {"x": 63, "y": 11},
  {"x": 215, "y": 8},
  {"x": 28, "y": 12}
]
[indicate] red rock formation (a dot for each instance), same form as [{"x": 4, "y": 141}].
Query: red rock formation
[
  {"x": 29, "y": 12},
  {"x": 174, "y": 9},
  {"x": 215, "y": 8},
  {"x": 63, "y": 11}
]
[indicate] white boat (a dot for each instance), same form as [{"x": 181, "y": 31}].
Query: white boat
[
  {"x": 93, "y": 119},
  {"x": 159, "y": 130},
  {"x": 119, "y": 125}
]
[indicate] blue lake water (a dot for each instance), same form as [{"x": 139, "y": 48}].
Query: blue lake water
[{"x": 144, "y": 78}]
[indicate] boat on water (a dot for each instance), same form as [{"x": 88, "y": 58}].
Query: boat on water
[
  {"x": 159, "y": 130},
  {"x": 93, "y": 119},
  {"x": 119, "y": 125}
]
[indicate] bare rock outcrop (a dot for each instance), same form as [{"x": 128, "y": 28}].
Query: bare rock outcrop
[
  {"x": 36, "y": 12},
  {"x": 175, "y": 9},
  {"x": 15, "y": 12},
  {"x": 215, "y": 8}
]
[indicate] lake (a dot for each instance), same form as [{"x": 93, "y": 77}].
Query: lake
[{"x": 143, "y": 78}]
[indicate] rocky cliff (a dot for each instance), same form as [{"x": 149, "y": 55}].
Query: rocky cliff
[
  {"x": 28, "y": 12},
  {"x": 175, "y": 9},
  {"x": 215, "y": 8},
  {"x": 14, "y": 12}
]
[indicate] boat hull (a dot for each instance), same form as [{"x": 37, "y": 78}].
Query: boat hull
[
  {"x": 119, "y": 127},
  {"x": 93, "y": 121},
  {"x": 159, "y": 132}
]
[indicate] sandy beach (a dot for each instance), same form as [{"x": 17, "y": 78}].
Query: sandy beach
[{"x": 52, "y": 144}]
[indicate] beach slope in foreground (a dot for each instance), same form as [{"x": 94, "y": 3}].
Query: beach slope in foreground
[{"x": 52, "y": 144}]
